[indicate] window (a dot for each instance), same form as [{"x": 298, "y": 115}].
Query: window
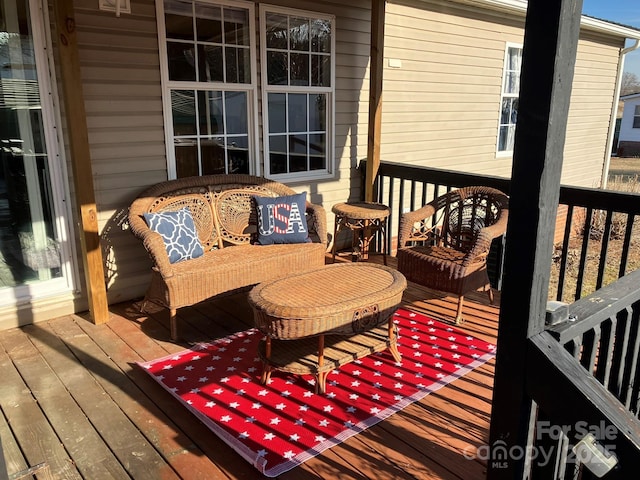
[
  {"x": 209, "y": 64},
  {"x": 636, "y": 117},
  {"x": 298, "y": 93},
  {"x": 509, "y": 99}
]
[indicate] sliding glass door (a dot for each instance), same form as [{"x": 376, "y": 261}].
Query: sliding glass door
[{"x": 32, "y": 238}]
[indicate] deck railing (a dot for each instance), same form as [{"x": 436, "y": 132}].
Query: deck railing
[
  {"x": 594, "y": 231},
  {"x": 593, "y": 388}
]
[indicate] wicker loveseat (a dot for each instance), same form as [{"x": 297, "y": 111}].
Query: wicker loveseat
[{"x": 223, "y": 212}]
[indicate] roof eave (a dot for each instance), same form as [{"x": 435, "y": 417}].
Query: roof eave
[{"x": 586, "y": 22}]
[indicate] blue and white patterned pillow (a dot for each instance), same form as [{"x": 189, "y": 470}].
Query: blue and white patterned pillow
[
  {"x": 282, "y": 219},
  {"x": 178, "y": 232}
]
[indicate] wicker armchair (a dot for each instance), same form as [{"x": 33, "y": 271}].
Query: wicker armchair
[{"x": 444, "y": 245}]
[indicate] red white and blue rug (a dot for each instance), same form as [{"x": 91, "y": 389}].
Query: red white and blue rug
[{"x": 280, "y": 425}]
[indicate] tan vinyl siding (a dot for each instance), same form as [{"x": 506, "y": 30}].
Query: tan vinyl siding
[
  {"x": 441, "y": 108},
  {"x": 121, "y": 85}
]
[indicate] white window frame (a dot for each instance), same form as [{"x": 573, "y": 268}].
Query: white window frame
[
  {"x": 503, "y": 95},
  {"x": 53, "y": 136},
  {"x": 169, "y": 85},
  {"x": 636, "y": 117},
  {"x": 308, "y": 175}
]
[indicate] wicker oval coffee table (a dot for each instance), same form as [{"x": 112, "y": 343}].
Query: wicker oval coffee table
[{"x": 318, "y": 320}]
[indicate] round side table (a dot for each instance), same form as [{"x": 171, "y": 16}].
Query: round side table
[{"x": 364, "y": 219}]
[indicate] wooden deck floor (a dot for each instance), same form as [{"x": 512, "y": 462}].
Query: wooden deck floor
[{"x": 72, "y": 398}]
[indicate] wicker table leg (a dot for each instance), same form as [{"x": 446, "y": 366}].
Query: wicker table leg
[
  {"x": 393, "y": 341},
  {"x": 321, "y": 377},
  {"x": 266, "y": 369}
]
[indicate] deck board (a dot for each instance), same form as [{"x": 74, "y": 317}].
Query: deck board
[{"x": 72, "y": 395}]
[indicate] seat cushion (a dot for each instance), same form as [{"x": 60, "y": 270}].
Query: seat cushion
[
  {"x": 232, "y": 268},
  {"x": 442, "y": 269}
]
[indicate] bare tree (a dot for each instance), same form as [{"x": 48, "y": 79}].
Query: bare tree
[{"x": 630, "y": 83}]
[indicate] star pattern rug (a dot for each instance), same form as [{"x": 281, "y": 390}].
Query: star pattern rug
[{"x": 280, "y": 425}]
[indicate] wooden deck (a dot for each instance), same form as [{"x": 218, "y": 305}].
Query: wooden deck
[{"x": 72, "y": 398}]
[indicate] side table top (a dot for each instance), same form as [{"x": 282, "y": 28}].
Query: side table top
[{"x": 361, "y": 210}]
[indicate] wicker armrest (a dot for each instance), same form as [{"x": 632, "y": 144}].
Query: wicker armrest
[
  {"x": 485, "y": 237},
  {"x": 406, "y": 229},
  {"x": 319, "y": 220},
  {"x": 151, "y": 240}
]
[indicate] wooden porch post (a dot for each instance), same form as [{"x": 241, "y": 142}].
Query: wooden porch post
[
  {"x": 80, "y": 158},
  {"x": 376, "y": 68},
  {"x": 550, "y": 45}
]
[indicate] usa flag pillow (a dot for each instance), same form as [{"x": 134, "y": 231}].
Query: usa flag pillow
[{"x": 282, "y": 219}]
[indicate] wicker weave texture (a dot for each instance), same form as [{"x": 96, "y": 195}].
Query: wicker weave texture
[
  {"x": 444, "y": 245},
  {"x": 334, "y": 299},
  {"x": 225, "y": 220}
]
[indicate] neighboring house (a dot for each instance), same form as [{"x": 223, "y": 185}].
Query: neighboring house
[
  {"x": 629, "y": 137},
  {"x": 280, "y": 89}
]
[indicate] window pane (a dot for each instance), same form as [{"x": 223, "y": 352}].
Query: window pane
[
  {"x": 299, "y": 34},
  {"x": 317, "y": 152},
  {"x": 211, "y": 64},
  {"x": 208, "y": 23},
  {"x": 236, "y": 26},
  {"x": 636, "y": 110},
  {"x": 186, "y": 158},
  {"x": 298, "y": 144},
  {"x": 514, "y": 59},
  {"x": 320, "y": 70},
  {"x": 320, "y": 36},
  {"x": 507, "y": 137},
  {"x": 512, "y": 83},
  {"x": 183, "y": 109},
  {"x": 299, "y": 69},
  {"x": 277, "y": 108},
  {"x": 210, "y": 113},
  {"x": 237, "y": 61},
  {"x": 317, "y": 112},
  {"x": 278, "y": 154},
  {"x": 297, "y": 112},
  {"x": 509, "y": 114},
  {"x": 213, "y": 156},
  {"x": 181, "y": 61},
  {"x": 236, "y": 109},
  {"x": 636, "y": 122},
  {"x": 238, "y": 155},
  {"x": 277, "y": 34},
  {"x": 297, "y": 153},
  {"x": 277, "y": 68},
  {"x": 178, "y": 19}
]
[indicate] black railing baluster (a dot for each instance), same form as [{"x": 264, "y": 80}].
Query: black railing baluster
[
  {"x": 565, "y": 252},
  {"x": 604, "y": 248},
  {"x": 624, "y": 255},
  {"x": 391, "y": 211},
  {"x": 605, "y": 354},
  {"x": 630, "y": 372},
  {"x": 583, "y": 253}
]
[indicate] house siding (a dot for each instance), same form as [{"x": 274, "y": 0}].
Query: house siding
[
  {"x": 441, "y": 106},
  {"x": 629, "y": 139}
]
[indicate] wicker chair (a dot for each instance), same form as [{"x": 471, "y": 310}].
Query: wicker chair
[{"x": 444, "y": 245}]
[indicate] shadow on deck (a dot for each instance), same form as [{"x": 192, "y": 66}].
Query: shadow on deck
[{"x": 72, "y": 397}]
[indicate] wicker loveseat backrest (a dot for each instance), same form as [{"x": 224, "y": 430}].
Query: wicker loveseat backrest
[
  {"x": 465, "y": 212},
  {"x": 221, "y": 205}
]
